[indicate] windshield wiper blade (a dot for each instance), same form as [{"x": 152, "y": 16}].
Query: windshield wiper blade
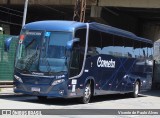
[
  {"x": 33, "y": 40},
  {"x": 30, "y": 61}
]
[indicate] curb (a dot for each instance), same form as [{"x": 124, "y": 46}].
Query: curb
[
  {"x": 8, "y": 92},
  {"x": 9, "y": 95}
]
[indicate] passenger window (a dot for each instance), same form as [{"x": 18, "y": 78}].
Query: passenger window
[
  {"x": 128, "y": 49},
  {"x": 118, "y": 49},
  {"x": 107, "y": 44},
  {"x": 144, "y": 50},
  {"x": 150, "y": 51},
  {"x": 94, "y": 43},
  {"x": 75, "y": 60},
  {"x": 137, "y": 48},
  {"x": 78, "y": 53}
]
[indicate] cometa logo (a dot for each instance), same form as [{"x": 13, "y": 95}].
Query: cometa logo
[{"x": 105, "y": 63}]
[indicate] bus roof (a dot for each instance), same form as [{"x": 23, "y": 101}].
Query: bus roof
[
  {"x": 54, "y": 25},
  {"x": 116, "y": 31},
  {"x": 61, "y": 25}
]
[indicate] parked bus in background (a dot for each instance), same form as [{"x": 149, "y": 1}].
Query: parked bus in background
[{"x": 70, "y": 59}]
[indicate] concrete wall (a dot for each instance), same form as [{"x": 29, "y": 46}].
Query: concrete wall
[
  {"x": 46, "y": 2},
  {"x": 124, "y": 21},
  {"x": 131, "y": 3},
  {"x": 120, "y": 20},
  {"x": 116, "y": 3},
  {"x": 151, "y": 30}
]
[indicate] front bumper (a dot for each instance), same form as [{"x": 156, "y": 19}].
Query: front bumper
[{"x": 44, "y": 90}]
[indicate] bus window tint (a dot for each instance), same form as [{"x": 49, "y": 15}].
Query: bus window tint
[
  {"x": 118, "y": 49},
  {"x": 94, "y": 45},
  {"x": 144, "y": 52},
  {"x": 137, "y": 48},
  {"x": 128, "y": 49},
  {"x": 78, "y": 53},
  {"x": 150, "y": 51},
  {"x": 107, "y": 44}
]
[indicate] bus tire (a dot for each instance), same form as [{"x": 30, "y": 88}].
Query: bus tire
[
  {"x": 136, "y": 89},
  {"x": 86, "y": 94},
  {"x": 42, "y": 98}
]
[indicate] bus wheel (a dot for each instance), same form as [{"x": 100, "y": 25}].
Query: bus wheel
[
  {"x": 86, "y": 94},
  {"x": 136, "y": 90},
  {"x": 42, "y": 98}
]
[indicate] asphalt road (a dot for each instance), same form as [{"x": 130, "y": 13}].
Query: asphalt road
[{"x": 147, "y": 100}]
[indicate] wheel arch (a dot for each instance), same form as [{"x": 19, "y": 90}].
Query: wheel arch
[
  {"x": 91, "y": 80},
  {"x": 138, "y": 80}
]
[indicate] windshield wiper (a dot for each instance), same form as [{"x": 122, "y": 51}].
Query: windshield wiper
[
  {"x": 30, "y": 60},
  {"x": 33, "y": 40}
]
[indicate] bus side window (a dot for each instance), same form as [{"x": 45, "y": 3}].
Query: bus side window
[
  {"x": 75, "y": 60},
  {"x": 143, "y": 51},
  {"x": 78, "y": 53},
  {"x": 94, "y": 43},
  {"x": 128, "y": 50},
  {"x": 118, "y": 49},
  {"x": 107, "y": 44},
  {"x": 150, "y": 51},
  {"x": 137, "y": 49}
]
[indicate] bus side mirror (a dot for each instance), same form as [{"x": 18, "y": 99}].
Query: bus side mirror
[
  {"x": 70, "y": 43},
  {"x": 7, "y": 44}
]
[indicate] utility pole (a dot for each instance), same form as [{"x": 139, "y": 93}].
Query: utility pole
[
  {"x": 79, "y": 10},
  {"x": 25, "y": 13}
]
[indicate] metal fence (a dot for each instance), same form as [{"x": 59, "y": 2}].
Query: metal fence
[{"x": 7, "y": 59}]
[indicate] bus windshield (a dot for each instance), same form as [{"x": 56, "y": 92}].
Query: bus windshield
[
  {"x": 39, "y": 53},
  {"x": 53, "y": 57}
]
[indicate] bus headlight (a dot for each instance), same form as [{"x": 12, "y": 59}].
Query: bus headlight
[
  {"x": 58, "y": 82},
  {"x": 18, "y": 78}
]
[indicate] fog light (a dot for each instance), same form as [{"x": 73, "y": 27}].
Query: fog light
[{"x": 61, "y": 92}]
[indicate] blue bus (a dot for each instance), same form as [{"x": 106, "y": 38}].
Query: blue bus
[{"x": 69, "y": 59}]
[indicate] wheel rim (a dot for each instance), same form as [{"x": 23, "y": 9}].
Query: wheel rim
[
  {"x": 87, "y": 93},
  {"x": 136, "y": 89}
]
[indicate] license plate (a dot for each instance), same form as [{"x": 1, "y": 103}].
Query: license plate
[{"x": 35, "y": 89}]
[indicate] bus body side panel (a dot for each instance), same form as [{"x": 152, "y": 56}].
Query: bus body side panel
[
  {"x": 109, "y": 73},
  {"x": 109, "y": 78}
]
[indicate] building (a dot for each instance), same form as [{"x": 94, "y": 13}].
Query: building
[{"x": 141, "y": 17}]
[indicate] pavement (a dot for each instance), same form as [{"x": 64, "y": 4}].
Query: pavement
[
  {"x": 7, "y": 91},
  {"x": 147, "y": 100},
  {"x": 4, "y": 91}
]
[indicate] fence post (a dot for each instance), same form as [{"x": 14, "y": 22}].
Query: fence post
[{"x": 25, "y": 13}]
